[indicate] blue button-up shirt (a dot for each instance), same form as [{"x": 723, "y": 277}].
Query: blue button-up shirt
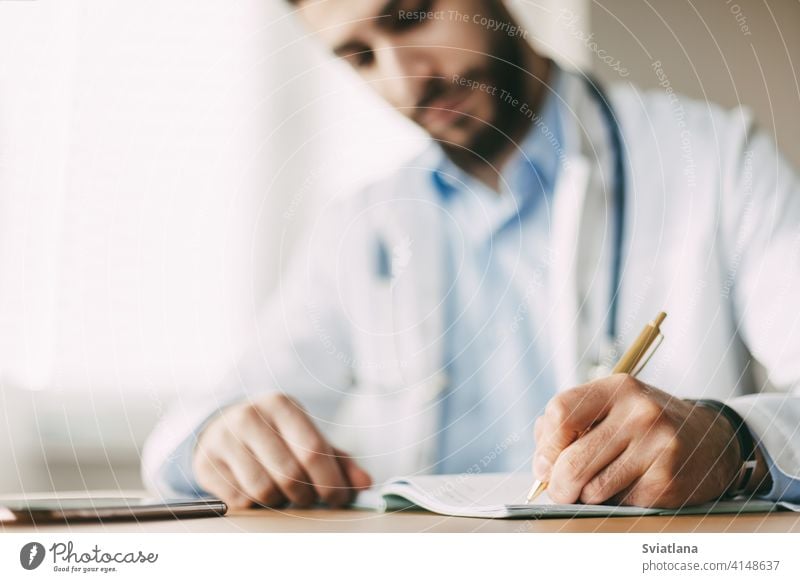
[{"x": 497, "y": 351}]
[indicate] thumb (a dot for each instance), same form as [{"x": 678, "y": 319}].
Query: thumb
[{"x": 358, "y": 477}]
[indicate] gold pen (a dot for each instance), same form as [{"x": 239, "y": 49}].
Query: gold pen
[{"x": 629, "y": 363}]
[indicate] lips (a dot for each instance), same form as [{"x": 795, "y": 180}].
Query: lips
[{"x": 444, "y": 111}]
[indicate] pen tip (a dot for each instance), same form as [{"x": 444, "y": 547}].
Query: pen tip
[{"x": 535, "y": 491}]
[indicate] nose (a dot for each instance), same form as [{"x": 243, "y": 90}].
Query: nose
[{"x": 403, "y": 73}]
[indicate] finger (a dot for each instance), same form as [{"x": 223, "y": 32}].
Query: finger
[
  {"x": 571, "y": 413},
  {"x": 585, "y": 458},
  {"x": 217, "y": 479},
  {"x": 553, "y": 439},
  {"x": 252, "y": 477},
  {"x": 614, "y": 482},
  {"x": 541, "y": 463},
  {"x": 583, "y": 406},
  {"x": 315, "y": 455},
  {"x": 657, "y": 488},
  {"x": 537, "y": 429},
  {"x": 358, "y": 478},
  {"x": 285, "y": 470}
]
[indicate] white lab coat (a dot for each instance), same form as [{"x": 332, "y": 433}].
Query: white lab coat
[{"x": 712, "y": 236}]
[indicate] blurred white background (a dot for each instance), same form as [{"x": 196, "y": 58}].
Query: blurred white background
[{"x": 159, "y": 157}]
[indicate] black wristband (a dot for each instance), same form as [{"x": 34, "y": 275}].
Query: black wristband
[{"x": 747, "y": 446}]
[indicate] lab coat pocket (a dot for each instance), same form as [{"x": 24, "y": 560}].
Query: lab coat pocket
[{"x": 378, "y": 359}]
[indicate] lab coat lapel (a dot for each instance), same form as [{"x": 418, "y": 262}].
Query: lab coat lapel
[
  {"x": 568, "y": 203},
  {"x": 413, "y": 228},
  {"x": 580, "y": 221},
  {"x": 417, "y": 245}
]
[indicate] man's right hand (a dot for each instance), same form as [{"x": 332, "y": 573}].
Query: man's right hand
[{"x": 267, "y": 451}]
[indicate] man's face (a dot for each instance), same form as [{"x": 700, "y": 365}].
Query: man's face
[{"x": 423, "y": 56}]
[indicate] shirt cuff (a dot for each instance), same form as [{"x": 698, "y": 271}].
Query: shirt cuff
[
  {"x": 177, "y": 470},
  {"x": 784, "y": 487}
]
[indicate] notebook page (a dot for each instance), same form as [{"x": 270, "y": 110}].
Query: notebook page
[
  {"x": 502, "y": 495},
  {"x": 490, "y": 491},
  {"x": 491, "y": 495}
]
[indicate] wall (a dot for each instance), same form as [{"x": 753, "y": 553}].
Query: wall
[{"x": 730, "y": 52}]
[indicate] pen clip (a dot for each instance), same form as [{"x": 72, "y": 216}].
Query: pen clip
[{"x": 643, "y": 362}]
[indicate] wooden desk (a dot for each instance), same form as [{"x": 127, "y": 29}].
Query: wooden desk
[{"x": 359, "y": 521}]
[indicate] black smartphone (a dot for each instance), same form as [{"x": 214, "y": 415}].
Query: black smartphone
[{"x": 61, "y": 510}]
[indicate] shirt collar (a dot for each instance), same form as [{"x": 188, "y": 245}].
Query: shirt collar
[
  {"x": 531, "y": 172},
  {"x": 539, "y": 154}
]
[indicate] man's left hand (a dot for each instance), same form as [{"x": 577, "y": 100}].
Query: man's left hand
[{"x": 619, "y": 440}]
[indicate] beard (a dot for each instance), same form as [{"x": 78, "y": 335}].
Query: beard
[{"x": 505, "y": 69}]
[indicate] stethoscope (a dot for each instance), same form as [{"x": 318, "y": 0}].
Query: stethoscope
[{"x": 601, "y": 366}]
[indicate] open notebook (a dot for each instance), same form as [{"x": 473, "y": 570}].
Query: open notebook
[{"x": 502, "y": 495}]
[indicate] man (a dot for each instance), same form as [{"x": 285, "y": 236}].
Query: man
[{"x": 441, "y": 312}]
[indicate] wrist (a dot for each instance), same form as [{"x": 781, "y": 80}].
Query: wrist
[
  {"x": 727, "y": 462},
  {"x": 742, "y": 463}
]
